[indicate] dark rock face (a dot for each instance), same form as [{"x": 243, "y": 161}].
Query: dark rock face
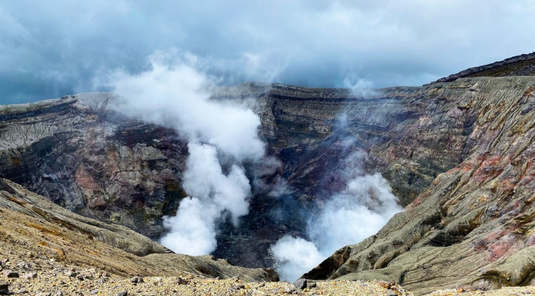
[
  {"x": 521, "y": 65},
  {"x": 410, "y": 135},
  {"x": 401, "y": 129},
  {"x": 93, "y": 161}
]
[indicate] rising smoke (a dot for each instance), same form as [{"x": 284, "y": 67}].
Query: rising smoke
[
  {"x": 364, "y": 205},
  {"x": 221, "y": 136},
  {"x": 295, "y": 256},
  {"x": 360, "y": 210},
  {"x": 359, "y": 87}
]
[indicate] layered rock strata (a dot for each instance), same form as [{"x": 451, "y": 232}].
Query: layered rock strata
[
  {"x": 474, "y": 224},
  {"x": 88, "y": 157},
  {"x": 457, "y": 153},
  {"x": 520, "y": 65},
  {"x": 94, "y": 161},
  {"x": 91, "y": 159},
  {"x": 30, "y": 223}
]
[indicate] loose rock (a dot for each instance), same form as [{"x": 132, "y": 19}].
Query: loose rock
[
  {"x": 4, "y": 289},
  {"x": 11, "y": 274},
  {"x": 136, "y": 280},
  {"x": 289, "y": 289},
  {"x": 300, "y": 284},
  {"x": 72, "y": 273},
  {"x": 30, "y": 275}
]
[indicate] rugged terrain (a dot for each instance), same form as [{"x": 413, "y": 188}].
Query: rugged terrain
[
  {"x": 93, "y": 160},
  {"x": 33, "y": 225},
  {"x": 474, "y": 224},
  {"x": 47, "y": 250},
  {"x": 521, "y": 65},
  {"x": 457, "y": 153}
]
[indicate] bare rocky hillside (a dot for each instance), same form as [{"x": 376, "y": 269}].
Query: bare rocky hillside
[
  {"x": 93, "y": 160},
  {"x": 474, "y": 224},
  {"x": 32, "y": 225}
]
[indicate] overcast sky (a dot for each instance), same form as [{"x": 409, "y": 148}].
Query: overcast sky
[{"x": 52, "y": 48}]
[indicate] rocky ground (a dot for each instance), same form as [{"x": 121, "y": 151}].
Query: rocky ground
[
  {"x": 29, "y": 273},
  {"x": 475, "y": 223},
  {"x": 24, "y": 272},
  {"x": 46, "y": 250},
  {"x": 460, "y": 154},
  {"x": 41, "y": 277}
]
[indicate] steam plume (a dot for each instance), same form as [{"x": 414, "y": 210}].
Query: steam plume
[
  {"x": 295, "y": 256},
  {"x": 359, "y": 87},
  {"x": 221, "y": 137},
  {"x": 358, "y": 211},
  {"x": 173, "y": 93}
]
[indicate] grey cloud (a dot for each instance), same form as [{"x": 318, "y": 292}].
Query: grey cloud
[{"x": 53, "y": 48}]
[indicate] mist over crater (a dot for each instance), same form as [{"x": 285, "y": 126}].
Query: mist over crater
[
  {"x": 228, "y": 172},
  {"x": 249, "y": 173}
]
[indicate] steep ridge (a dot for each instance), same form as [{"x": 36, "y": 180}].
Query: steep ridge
[
  {"x": 474, "y": 224},
  {"x": 31, "y": 223},
  {"x": 521, "y": 65}
]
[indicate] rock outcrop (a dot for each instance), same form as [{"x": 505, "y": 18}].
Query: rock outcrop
[
  {"x": 93, "y": 161},
  {"x": 90, "y": 159}
]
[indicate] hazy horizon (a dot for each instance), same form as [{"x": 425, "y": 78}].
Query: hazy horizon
[{"x": 52, "y": 49}]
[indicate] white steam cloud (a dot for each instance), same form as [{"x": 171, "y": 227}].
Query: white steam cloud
[
  {"x": 359, "y": 87},
  {"x": 295, "y": 256},
  {"x": 221, "y": 137},
  {"x": 360, "y": 210}
]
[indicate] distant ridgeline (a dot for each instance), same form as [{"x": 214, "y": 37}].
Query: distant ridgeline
[{"x": 521, "y": 65}]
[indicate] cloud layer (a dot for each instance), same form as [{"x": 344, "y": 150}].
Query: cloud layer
[{"x": 50, "y": 49}]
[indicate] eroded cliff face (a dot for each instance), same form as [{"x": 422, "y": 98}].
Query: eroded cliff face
[
  {"x": 474, "y": 224},
  {"x": 93, "y": 161},
  {"x": 83, "y": 155},
  {"x": 403, "y": 130}
]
